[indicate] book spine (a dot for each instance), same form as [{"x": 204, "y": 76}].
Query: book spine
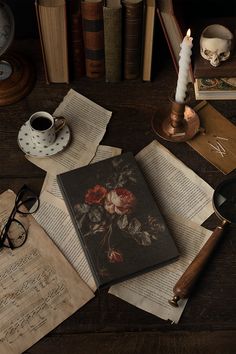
[
  {"x": 93, "y": 34},
  {"x": 149, "y": 24},
  {"x": 77, "y": 58},
  {"x": 52, "y": 24},
  {"x": 133, "y": 19},
  {"x": 113, "y": 43}
]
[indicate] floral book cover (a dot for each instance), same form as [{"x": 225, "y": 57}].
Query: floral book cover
[{"x": 119, "y": 224}]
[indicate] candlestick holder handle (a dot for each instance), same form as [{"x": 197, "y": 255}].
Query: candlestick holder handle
[{"x": 180, "y": 124}]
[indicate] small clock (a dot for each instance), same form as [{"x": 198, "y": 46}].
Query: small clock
[{"x": 16, "y": 73}]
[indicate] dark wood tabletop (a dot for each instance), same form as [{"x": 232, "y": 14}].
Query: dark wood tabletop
[{"x": 107, "y": 324}]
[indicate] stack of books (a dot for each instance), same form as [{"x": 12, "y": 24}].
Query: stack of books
[{"x": 112, "y": 39}]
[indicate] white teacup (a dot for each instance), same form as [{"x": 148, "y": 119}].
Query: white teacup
[{"x": 44, "y": 128}]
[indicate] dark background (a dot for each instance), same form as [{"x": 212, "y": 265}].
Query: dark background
[{"x": 25, "y": 18}]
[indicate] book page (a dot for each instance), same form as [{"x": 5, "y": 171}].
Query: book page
[
  {"x": 151, "y": 291},
  {"x": 103, "y": 152},
  {"x": 182, "y": 196},
  {"x": 87, "y": 122},
  {"x": 39, "y": 288},
  {"x": 176, "y": 188},
  {"x": 54, "y": 217}
]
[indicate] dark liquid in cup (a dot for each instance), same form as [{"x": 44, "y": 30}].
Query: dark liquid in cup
[{"x": 41, "y": 123}]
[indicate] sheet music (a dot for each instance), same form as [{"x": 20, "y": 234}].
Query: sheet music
[
  {"x": 87, "y": 121},
  {"x": 39, "y": 288}
]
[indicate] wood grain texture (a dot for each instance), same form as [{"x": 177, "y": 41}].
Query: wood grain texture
[
  {"x": 107, "y": 324},
  {"x": 133, "y": 343}
]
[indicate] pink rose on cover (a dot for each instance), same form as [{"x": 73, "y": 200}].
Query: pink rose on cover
[
  {"x": 95, "y": 195},
  {"x": 115, "y": 256},
  {"x": 119, "y": 201}
]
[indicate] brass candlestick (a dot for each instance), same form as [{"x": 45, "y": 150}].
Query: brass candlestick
[{"x": 181, "y": 123}]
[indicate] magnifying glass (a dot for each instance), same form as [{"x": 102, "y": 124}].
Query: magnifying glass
[{"x": 224, "y": 204}]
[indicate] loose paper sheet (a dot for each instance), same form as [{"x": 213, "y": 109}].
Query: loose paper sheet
[
  {"x": 39, "y": 288},
  {"x": 218, "y": 144},
  {"x": 87, "y": 121},
  {"x": 182, "y": 196},
  {"x": 54, "y": 217},
  {"x": 103, "y": 152},
  {"x": 151, "y": 291},
  {"x": 177, "y": 189}
]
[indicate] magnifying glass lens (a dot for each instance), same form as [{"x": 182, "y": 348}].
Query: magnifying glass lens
[{"x": 224, "y": 200}]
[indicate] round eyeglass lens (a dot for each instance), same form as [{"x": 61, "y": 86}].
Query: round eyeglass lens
[
  {"x": 16, "y": 235},
  {"x": 28, "y": 202},
  {"x": 225, "y": 200}
]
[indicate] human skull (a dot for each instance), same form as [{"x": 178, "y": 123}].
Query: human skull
[{"x": 216, "y": 43}]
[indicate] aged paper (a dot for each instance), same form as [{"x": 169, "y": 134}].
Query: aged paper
[
  {"x": 103, "y": 152},
  {"x": 54, "y": 217},
  {"x": 177, "y": 189},
  {"x": 151, "y": 291},
  {"x": 39, "y": 288},
  {"x": 218, "y": 144},
  {"x": 182, "y": 196},
  {"x": 87, "y": 121}
]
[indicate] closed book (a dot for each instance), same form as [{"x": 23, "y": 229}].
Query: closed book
[
  {"x": 52, "y": 24},
  {"x": 118, "y": 222},
  {"x": 112, "y": 17},
  {"x": 75, "y": 38},
  {"x": 93, "y": 34},
  {"x": 150, "y": 12},
  {"x": 215, "y": 88},
  {"x": 132, "y": 37}
]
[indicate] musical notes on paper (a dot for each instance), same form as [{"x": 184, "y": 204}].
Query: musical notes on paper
[
  {"x": 38, "y": 287},
  {"x": 39, "y": 291}
]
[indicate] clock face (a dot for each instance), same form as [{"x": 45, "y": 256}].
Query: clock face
[
  {"x": 5, "y": 70},
  {"x": 7, "y": 27}
]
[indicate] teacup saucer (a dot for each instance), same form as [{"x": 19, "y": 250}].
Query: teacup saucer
[{"x": 29, "y": 148}]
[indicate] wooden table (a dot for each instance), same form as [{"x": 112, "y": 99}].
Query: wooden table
[{"x": 107, "y": 324}]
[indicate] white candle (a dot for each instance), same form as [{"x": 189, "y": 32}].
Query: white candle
[{"x": 184, "y": 62}]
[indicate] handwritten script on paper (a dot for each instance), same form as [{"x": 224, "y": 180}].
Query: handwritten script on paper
[{"x": 39, "y": 288}]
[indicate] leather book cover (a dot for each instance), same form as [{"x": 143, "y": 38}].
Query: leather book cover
[
  {"x": 75, "y": 38},
  {"x": 112, "y": 17},
  {"x": 93, "y": 34},
  {"x": 118, "y": 222},
  {"x": 133, "y": 33}
]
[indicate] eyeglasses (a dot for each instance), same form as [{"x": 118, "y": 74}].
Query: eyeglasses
[{"x": 14, "y": 232}]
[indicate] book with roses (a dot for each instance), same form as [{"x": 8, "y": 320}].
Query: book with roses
[{"x": 120, "y": 227}]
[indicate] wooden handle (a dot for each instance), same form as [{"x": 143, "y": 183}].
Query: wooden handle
[{"x": 187, "y": 281}]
